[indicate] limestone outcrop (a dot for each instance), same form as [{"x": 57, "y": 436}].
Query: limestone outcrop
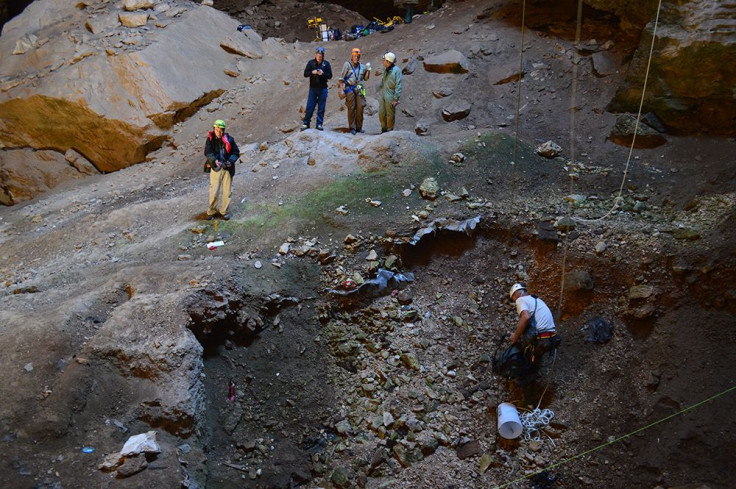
[{"x": 691, "y": 78}]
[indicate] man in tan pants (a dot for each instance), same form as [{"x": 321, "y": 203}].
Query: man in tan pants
[
  {"x": 222, "y": 153},
  {"x": 350, "y": 87}
]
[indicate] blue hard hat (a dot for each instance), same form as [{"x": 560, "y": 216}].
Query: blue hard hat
[{"x": 320, "y": 50}]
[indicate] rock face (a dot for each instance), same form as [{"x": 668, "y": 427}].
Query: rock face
[
  {"x": 160, "y": 357},
  {"x": 634, "y": 14},
  {"x": 690, "y": 84},
  {"x": 19, "y": 184},
  {"x": 110, "y": 96}
]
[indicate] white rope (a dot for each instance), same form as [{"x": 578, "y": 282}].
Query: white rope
[
  {"x": 533, "y": 421},
  {"x": 618, "y": 199}
]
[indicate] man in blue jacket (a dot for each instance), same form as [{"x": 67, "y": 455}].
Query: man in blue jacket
[
  {"x": 318, "y": 71},
  {"x": 222, "y": 153}
]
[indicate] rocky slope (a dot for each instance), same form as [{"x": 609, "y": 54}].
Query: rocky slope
[{"x": 119, "y": 320}]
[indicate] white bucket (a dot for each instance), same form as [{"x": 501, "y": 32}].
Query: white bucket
[{"x": 509, "y": 424}]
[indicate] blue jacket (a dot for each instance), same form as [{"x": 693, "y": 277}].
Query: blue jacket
[{"x": 318, "y": 81}]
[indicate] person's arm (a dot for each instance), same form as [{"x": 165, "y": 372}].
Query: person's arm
[
  {"x": 209, "y": 152},
  {"x": 327, "y": 70},
  {"x": 234, "y": 152},
  {"x": 341, "y": 80},
  {"x": 308, "y": 70},
  {"x": 397, "y": 89},
  {"x": 524, "y": 318},
  {"x": 367, "y": 73}
]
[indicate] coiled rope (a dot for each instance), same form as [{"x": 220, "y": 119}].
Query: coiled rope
[{"x": 533, "y": 421}]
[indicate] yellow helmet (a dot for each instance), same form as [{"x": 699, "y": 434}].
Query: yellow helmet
[
  {"x": 220, "y": 123},
  {"x": 355, "y": 51}
]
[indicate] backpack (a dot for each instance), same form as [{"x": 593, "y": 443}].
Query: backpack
[{"x": 509, "y": 363}]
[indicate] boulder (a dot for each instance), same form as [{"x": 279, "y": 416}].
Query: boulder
[
  {"x": 133, "y": 19},
  {"x": 131, "y": 466},
  {"x": 623, "y": 132},
  {"x": 131, "y": 5},
  {"x": 549, "y": 149},
  {"x": 422, "y": 127},
  {"x": 468, "y": 449},
  {"x": 457, "y": 110},
  {"x": 79, "y": 162},
  {"x": 603, "y": 64},
  {"x": 410, "y": 67},
  {"x": 442, "y": 92},
  {"x": 429, "y": 188},
  {"x": 451, "y": 61},
  {"x": 640, "y": 292},
  {"x": 578, "y": 280},
  {"x": 99, "y": 24}
]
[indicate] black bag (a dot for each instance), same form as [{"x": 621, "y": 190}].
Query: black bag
[{"x": 509, "y": 363}]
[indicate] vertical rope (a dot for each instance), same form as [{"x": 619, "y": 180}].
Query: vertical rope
[
  {"x": 617, "y": 200},
  {"x": 573, "y": 100},
  {"x": 518, "y": 105}
]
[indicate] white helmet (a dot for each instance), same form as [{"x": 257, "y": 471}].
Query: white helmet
[
  {"x": 515, "y": 288},
  {"x": 390, "y": 57}
]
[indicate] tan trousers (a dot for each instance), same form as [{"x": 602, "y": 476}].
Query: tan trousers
[
  {"x": 220, "y": 184},
  {"x": 355, "y": 104},
  {"x": 386, "y": 114}
]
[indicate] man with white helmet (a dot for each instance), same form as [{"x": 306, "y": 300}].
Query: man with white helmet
[
  {"x": 350, "y": 87},
  {"x": 389, "y": 91},
  {"x": 536, "y": 326}
]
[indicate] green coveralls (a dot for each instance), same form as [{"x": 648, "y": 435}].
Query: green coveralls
[{"x": 389, "y": 90}]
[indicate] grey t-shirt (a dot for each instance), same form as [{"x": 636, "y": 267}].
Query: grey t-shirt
[{"x": 545, "y": 322}]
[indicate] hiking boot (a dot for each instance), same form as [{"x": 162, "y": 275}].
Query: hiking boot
[
  {"x": 320, "y": 128},
  {"x": 352, "y": 131},
  {"x": 305, "y": 126},
  {"x": 210, "y": 217},
  {"x": 226, "y": 216}
]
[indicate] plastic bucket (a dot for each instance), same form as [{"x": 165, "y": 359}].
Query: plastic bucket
[{"x": 509, "y": 424}]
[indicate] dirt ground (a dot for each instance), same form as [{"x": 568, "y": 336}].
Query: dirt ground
[{"x": 327, "y": 394}]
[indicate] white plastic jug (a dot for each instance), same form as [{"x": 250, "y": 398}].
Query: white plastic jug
[{"x": 509, "y": 423}]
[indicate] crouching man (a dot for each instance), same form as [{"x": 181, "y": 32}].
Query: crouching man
[{"x": 535, "y": 330}]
